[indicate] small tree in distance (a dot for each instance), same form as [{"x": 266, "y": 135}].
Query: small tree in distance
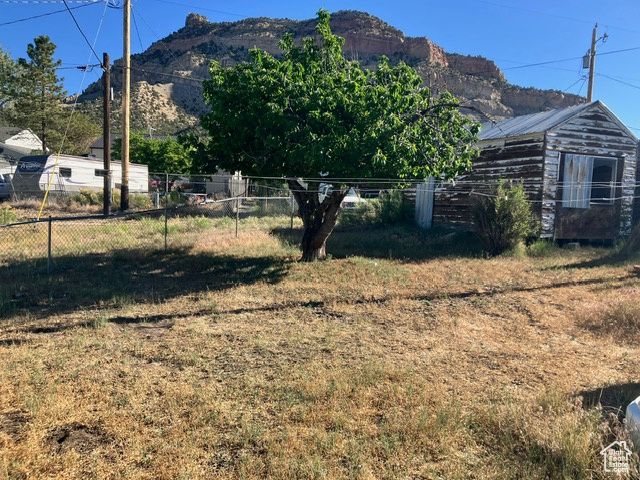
[{"x": 314, "y": 117}]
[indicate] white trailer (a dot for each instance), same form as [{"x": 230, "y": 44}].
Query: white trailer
[{"x": 69, "y": 174}]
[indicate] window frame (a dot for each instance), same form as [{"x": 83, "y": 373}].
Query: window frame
[
  {"x": 592, "y": 161},
  {"x": 613, "y": 182}
]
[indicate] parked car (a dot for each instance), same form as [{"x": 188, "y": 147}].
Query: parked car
[
  {"x": 350, "y": 202},
  {"x": 5, "y": 187},
  {"x": 633, "y": 423}
]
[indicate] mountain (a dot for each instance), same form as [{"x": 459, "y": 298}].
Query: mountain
[{"x": 167, "y": 77}]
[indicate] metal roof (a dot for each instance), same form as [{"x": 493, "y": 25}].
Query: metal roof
[{"x": 533, "y": 123}]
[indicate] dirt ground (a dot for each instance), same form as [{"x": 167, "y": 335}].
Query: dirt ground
[{"x": 231, "y": 360}]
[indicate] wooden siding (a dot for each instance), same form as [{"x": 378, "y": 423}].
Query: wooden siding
[
  {"x": 516, "y": 158},
  {"x": 594, "y": 133}
]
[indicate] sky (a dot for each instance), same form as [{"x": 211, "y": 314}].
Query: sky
[{"x": 536, "y": 44}]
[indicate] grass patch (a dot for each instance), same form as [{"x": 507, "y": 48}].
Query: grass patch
[{"x": 617, "y": 318}]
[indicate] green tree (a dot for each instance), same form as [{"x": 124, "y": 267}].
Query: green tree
[
  {"x": 38, "y": 103},
  {"x": 161, "y": 155},
  {"x": 8, "y": 79},
  {"x": 314, "y": 114},
  {"x": 72, "y": 132}
]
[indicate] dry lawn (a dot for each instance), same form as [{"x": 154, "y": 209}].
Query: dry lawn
[{"x": 231, "y": 360}]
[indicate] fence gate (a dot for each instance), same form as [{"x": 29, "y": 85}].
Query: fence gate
[{"x": 424, "y": 203}]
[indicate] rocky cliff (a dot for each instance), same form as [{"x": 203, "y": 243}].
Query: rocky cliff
[{"x": 169, "y": 73}]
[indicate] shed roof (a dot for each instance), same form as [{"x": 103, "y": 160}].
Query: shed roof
[{"x": 540, "y": 122}]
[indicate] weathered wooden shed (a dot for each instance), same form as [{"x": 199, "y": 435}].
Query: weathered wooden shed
[{"x": 578, "y": 166}]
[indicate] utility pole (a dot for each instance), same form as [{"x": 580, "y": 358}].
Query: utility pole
[
  {"x": 126, "y": 86},
  {"x": 592, "y": 63},
  {"x": 106, "y": 132}
]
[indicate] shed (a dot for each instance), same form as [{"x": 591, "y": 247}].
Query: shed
[{"x": 578, "y": 166}]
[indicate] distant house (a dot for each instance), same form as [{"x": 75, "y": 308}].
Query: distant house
[
  {"x": 20, "y": 137},
  {"x": 578, "y": 166},
  {"x": 96, "y": 149}
]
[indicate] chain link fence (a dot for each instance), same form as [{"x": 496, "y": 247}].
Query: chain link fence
[{"x": 172, "y": 225}]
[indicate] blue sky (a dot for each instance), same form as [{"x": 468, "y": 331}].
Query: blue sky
[{"x": 514, "y": 34}]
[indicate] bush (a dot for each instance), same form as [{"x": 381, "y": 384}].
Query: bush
[
  {"x": 86, "y": 197},
  {"x": 7, "y": 215},
  {"x": 503, "y": 219}
]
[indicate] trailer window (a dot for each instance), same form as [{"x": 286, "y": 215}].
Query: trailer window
[
  {"x": 99, "y": 172},
  {"x": 65, "y": 172}
]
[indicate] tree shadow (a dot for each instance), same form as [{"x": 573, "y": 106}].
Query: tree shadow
[
  {"x": 124, "y": 277},
  {"x": 612, "y": 259},
  {"x": 612, "y": 398},
  {"x": 402, "y": 242}
]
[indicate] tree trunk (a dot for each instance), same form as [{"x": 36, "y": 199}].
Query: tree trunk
[{"x": 318, "y": 218}]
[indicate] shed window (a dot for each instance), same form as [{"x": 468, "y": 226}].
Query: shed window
[
  {"x": 603, "y": 180},
  {"x": 588, "y": 180},
  {"x": 65, "y": 172}
]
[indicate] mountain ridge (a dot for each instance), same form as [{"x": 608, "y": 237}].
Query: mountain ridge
[{"x": 171, "y": 70}]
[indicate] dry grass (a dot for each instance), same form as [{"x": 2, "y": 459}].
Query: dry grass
[
  {"x": 617, "y": 317},
  {"x": 231, "y": 360}
]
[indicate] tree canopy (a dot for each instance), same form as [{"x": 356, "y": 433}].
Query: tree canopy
[
  {"x": 161, "y": 155},
  {"x": 8, "y": 78},
  {"x": 314, "y": 114},
  {"x": 38, "y": 102}
]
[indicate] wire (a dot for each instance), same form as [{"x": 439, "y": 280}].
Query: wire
[
  {"x": 80, "y": 29},
  {"x": 161, "y": 42},
  {"x": 171, "y": 75},
  {"x": 73, "y": 109},
  {"x": 135, "y": 24},
  {"x": 617, "y": 80},
  {"x": 43, "y": 2},
  {"x": 50, "y": 13}
]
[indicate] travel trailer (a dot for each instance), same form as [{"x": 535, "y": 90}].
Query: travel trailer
[{"x": 70, "y": 174}]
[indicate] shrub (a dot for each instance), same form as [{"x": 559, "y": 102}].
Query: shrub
[
  {"x": 140, "y": 201},
  {"x": 7, "y": 215},
  {"x": 503, "y": 219}
]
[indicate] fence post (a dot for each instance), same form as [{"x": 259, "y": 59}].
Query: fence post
[
  {"x": 166, "y": 223},
  {"x": 49, "y": 247},
  {"x": 237, "y": 214},
  {"x": 293, "y": 202}
]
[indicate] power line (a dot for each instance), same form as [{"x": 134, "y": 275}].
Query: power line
[
  {"x": 93, "y": 2},
  {"x": 161, "y": 42},
  {"x": 135, "y": 24},
  {"x": 617, "y": 80},
  {"x": 81, "y": 32},
  {"x": 193, "y": 79}
]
